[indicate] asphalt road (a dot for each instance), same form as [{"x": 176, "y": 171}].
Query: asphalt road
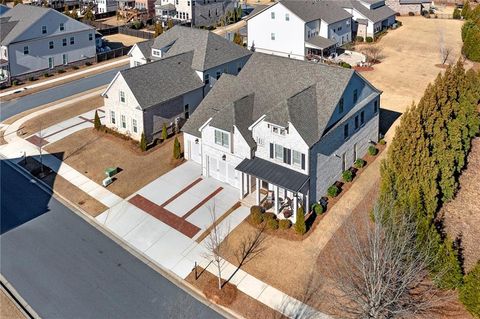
[
  {"x": 65, "y": 268},
  {"x": 13, "y": 107}
]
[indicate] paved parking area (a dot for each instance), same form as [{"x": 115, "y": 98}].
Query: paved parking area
[{"x": 164, "y": 219}]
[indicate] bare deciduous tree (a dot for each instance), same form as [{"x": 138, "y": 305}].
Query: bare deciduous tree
[
  {"x": 381, "y": 274},
  {"x": 445, "y": 53},
  {"x": 216, "y": 244},
  {"x": 374, "y": 53},
  {"x": 251, "y": 245}
]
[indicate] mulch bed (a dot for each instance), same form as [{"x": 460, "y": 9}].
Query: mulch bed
[
  {"x": 311, "y": 218},
  {"x": 225, "y": 296},
  {"x": 442, "y": 66}
]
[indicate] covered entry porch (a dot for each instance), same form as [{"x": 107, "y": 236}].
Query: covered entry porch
[{"x": 276, "y": 188}]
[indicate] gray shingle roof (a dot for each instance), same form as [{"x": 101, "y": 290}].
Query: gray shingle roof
[
  {"x": 321, "y": 42},
  {"x": 210, "y": 50},
  {"x": 285, "y": 90},
  {"x": 374, "y": 15},
  {"x": 256, "y": 10},
  {"x": 25, "y": 16},
  {"x": 414, "y": 1},
  {"x": 160, "y": 81},
  {"x": 313, "y": 10},
  {"x": 146, "y": 48}
]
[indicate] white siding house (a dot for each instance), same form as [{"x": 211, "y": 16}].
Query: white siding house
[
  {"x": 286, "y": 126},
  {"x": 38, "y": 39}
]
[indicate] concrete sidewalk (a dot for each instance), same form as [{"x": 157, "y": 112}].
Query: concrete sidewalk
[{"x": 65, "y": 77}]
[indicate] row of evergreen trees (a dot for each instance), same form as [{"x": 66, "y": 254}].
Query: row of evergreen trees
[
  {"x": 471, "y": 32},
  {"x": 425, "y": 160}
]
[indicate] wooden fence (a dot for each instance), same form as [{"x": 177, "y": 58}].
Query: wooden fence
[{"x": 104, "y": 56}]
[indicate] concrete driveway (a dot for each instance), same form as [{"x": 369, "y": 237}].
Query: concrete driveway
[{"x": 166, "y": 218}]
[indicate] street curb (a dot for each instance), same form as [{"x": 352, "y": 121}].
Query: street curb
[
  {"x": 169, "y": 275},
  {"x": 17, "y": 300}
]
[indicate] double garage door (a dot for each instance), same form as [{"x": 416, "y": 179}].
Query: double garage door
[{"x": 221, "y": 170}]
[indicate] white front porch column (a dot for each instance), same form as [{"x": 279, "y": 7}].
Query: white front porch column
[
  {"x": 275, "y": 196},
  {"x": 295, "y": 206},
  {"x": 306, "y": 209},
  {"x": 242, "y": 188},
  {"x": 257, "y": 191}
]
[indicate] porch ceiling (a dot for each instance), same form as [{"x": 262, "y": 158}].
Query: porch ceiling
[{"x": 273, "y": 173}]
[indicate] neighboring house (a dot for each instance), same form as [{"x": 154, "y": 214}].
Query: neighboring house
[
  {"x": 3, "y": 8},
  {"x": 197, "y": 12},
  {"x": 169, "y": 78},
  {"x": 104, "y": 6},
  {"x": 283, "y": 125},
  {"x": 146, "y": 5},
  {"x": 297, "y": 28},
  {"x": 405, "y": 7},
  {"x": 37, "y": 39},
  {"x": 141, "y": 53},
  {"x": 370, "y": 16}
]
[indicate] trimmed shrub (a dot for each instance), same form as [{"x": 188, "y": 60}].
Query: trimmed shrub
[
  {"x": 75, "y": 67},
  {"x": 96, "y": 121},
  {"x": 300, "y": 226},
  {"x": 284, "y": 223},
  {"x": 347, "y": 176},
  {"x": 333, "y": 191},
  {"x": 15, "y": 82},
  {"x": 399, "y": 23},
  {"x": 47, "y": 75},
  {"x": 318, "y": 208},
  {"x": 470, "y": 291},
  {"x": 372, "y": 150},
  {"x": 359, "y": 163},
  {"x": 359, "y": 39},
  {"x": 164, "y": 132},
  {"x": 143, "y": 143},
  {"x": 272, "y": 224},
  {"x": 268, "y": 216},
  {"x": 177, "y": 151},
  {"x": 369, "y": 39},
  {"x": 456, "y": 14},
  {"x": 345, "y": 65},
  {"x": 60, "y": 71},
  {"x": 411, "y": 14},
  {"x": 382, "y": 142},
  {"x": 88, "y": 63},
  {"x": 32, "y": 78},
  {"x": 256, "y": 216}
]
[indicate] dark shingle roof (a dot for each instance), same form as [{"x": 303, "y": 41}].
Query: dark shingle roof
[
  {"x": 314, "y": 10},
  {"x": 284, "y": 90},
  {"x": 160, "y": 81},
  {"x": 146, "y": 48},
  {"x": 321, "y": 42},
  {"x": 210, "y": 50},
  {"x": 273, "y": 173}
]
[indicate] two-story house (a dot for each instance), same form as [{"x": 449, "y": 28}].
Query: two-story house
[
  {"x": 168, "y": 84},
  {"x": 297, "y": 28},
  {"x": 104, "y": 6},
  {"x": 196, "y": 12},
  {"x": 290, "y": 127},
  {"x": 37, "y": 39},
  {"x": 369, "y": 16}
]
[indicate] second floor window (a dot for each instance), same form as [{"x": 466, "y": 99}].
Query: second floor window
[
  {"x": 287, "y": 17},
  {"x": 345, "y": 131},
  {"x": 44, "y": 29},
  {"x": 25, "y": 50},
  {"x": 72, "y": 40},
  {"x": 64, "y": 42},
  {"x": 90, "y": 37},
  {"x": 340, "y": 106},
  {"x": 279, "y": 152},
  {"x": 355, "y": 96},
  {"x": 272, "y": 15},
  {"x": 296, "y": 158},
  {"x": 362, "y": 118},
  {"x": 356, "y": 122},
  {"x": 375, "y": 107},
  {"x": 206, "y": 78},
  {"x": 50, "y": 45},
  {"x": 221, "y": 138},
  {"x": 62, "y": 27},
  {"x": 122, "y": 96}
]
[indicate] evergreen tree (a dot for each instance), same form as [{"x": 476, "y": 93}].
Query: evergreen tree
[
  {"x": 466, "y": 10},
  {"x": 177, "y": 152},
  {"x": 164, "y": 132},
  {"x": 300, "y": 226},
  {"x": 169, "y": 24},
  {"x": 470, "y": 291},
  {"x": 74, "y": 14},
  {"x": 96, "y": 121},
  {"x": 89, "y": 15},
  {"x": 158, "y": 29},
  {"x": 237, "y": 39},
  {"x": 143, "y": 142}
]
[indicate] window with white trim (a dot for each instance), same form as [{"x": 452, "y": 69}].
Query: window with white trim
[
  {"x": 44, "y": 29},
  {"x": 122, "y": 96},
  {"x": 124, "y": 121},
  {"x": 296, "y": 158},
  {"x": 278, "y": 130},
  {"x": 112, "y": 117},
  {"x": 50, "y": 45},
  {"x": 25, "y": 50},
  {"x": 134, "y": 126},
  {"x": 156, "y": 52},
  {"x": 62, "y": 27},
  {"x": 279, "y": 152},
  {"x": 72, "y": 40},
  {"x": 287, "y": 17},
  {"x": 221, "y": 138},
  {"x": 272, "y": 15},
  {"x": 64, "y": 42},
  {"x": 260, "y": 141},
  {"x": 272, "y": 36}
]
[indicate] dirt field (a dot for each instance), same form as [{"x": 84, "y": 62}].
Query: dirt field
[
  {"x": 91, "y": 152},
  {"x": 410, "y": 54},
  {"x": 7, "y": 309},
  {"x": 117, "y": 40},
  {"x": 113, "y": 21},
  {"x": 243, "y": 304},
  {"x": 59, "y": 115},
  {"x": 462, "y": 215}
]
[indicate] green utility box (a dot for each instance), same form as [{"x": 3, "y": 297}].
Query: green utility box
[{"x": 110, "y": 171}]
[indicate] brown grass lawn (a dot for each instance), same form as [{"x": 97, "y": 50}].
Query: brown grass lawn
[
  {"x": 8, "y": 310},
  {"x": 56, "y": 116},
  {"x": 462, "y": 215},
  {"x": 410, "y": 54},
  {"x": 124, "y": 39},
  {"x": 91, "y": 152},
  {"x": 242, "y": 304}
]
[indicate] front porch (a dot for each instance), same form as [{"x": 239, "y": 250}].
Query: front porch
[{"x": 276, "y": 188}]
